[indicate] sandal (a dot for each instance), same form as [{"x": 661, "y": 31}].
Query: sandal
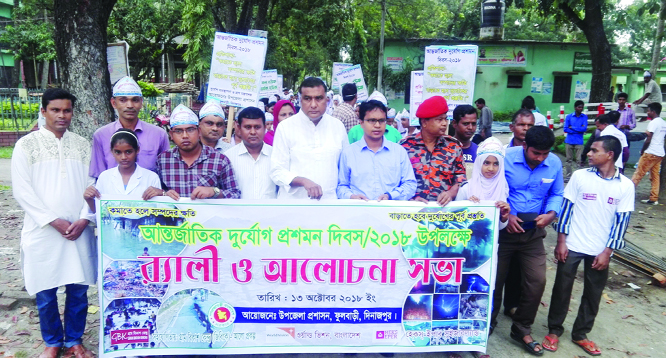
[
  {"x": 551, "y": 344},
  {"x": 588, "y": 346},
  {"x": 529, "y": 347}
]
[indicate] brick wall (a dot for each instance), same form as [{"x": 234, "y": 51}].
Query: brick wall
[{"x": 8, "y": 138}]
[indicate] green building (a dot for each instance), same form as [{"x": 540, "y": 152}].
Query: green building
[
  {"x": 6, "y": 55},
  {"x": 554, "y": 73}
]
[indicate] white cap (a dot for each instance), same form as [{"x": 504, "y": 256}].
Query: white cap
[
  {"x": 212, "y": 107},
  {"x": 126, "y": 86},
  {"x": 273, "y": 98},
  {"x": 182, "y": 115},
  {"x": 261, "y": 106},
  {"x": 390, "y": 113},
  {"x": 376, "y": 95},
  {"x": 269, "y": 117},
  {"x": 647, "y": 74}
]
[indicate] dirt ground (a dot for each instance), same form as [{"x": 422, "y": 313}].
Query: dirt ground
[{"x": 631, "y": 323}]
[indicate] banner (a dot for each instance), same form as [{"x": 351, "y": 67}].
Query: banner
[
  {"x": 502, "y": 56},
  {"x": 337, "y": 67},
  {"x": 353, "y": 74},
  {"x": 252, "y": 277},
  {"x": 235, "y": 70},
  {"x": 582, "y": 62},
  {"x": 415, "y": 96},
  {"x": 450, "y": 71},
  {"x": 269, "y": 84}
]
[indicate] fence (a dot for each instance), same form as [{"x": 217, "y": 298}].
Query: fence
[{"x": 19, "y": 113}]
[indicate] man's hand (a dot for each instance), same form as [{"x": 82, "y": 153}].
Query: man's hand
[
  {"x": 314, "y": 190},
  {"x": 624, "y": 126},
  {"x": 444, "y": 198},
  {"x": 202, "y": 192},
  {"x": 513, "y": 227},
  {"x": 601, "y": 261},
  {"x": 359, "y": 196},
  {"x": 75, "y": 229},
  {"x": 419, "y": 199},
  {"x": 152, "y": 192},
  {"x": 544, "y": 220},
  {"x": 91, "y": 193},
  {"x": 473, "y": 199},
  {"x": 505, "y": 210},
  {"x": 383, "y": 197},
  {"x": 561, "y": 250},
  {"x": 172, "y": 194},
  {"x": 60, "y": 225}
]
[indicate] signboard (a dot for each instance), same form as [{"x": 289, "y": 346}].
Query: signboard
[
  {"x": 257, "y": 33},
  {"x": 582, "y": 62},
  {"x": 280, "y": 83},
  {"x": 547, "y": 88},
  {"x": 537, "y": 85},
  {"x": 582, "y": 93},
  {"x": 394, "y": 63},
  {"x": 255, "y": 277},
  {"x": 337, "y": 67},
  {"x": 116, "y": 59},
  {"x": 269, "y": 84},
  {"x": 353, "y": 74},
  {"x": 450, "y": 71},
  {"x": 235, "y": 70},
  {"x": 502, "y": 56},
  {"x": 415, "y": 96}
]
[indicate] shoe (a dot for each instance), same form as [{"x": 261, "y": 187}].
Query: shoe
[
  {"x": 78, "y": 351},
  {"x": 649, "y": 202},
  {"x": 50, "y": 352}
]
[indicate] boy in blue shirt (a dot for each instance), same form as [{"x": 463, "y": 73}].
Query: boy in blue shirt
[{"x": 575, "y": 125}]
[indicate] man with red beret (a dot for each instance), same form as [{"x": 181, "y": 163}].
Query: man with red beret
[{"x": 436, "y": 157}]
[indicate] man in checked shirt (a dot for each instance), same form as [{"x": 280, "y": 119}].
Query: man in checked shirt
[{"x": 192, "y": 169}]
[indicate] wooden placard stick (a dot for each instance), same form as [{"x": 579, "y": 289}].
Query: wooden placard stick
[{"x": 231, "y": 123}]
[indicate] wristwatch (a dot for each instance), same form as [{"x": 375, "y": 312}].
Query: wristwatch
[{"x": 216, "y": 190}]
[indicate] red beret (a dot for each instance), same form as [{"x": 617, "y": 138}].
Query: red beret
[{"x": 432, "y": 107}]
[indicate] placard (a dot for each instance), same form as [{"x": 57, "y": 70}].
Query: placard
[
  {"x": 450, "y": 71},
  {"x": 235, "y": 70},
  {"x": 280, "y": 83},
  {"x": 415, "y": 96},
  {"x": 269, "y": 84},
  {"x": 257, "y": 33},
  {"x": 265, "y": 277},
  {"x": 116, "y": 59},
  {"x": 337, "y": 67},
  {"x": 353, "y": 74}
]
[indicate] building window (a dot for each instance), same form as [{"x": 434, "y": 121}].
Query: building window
[
  {"x": 514, "y": 81},
  {"x": 562, "y": 89}
]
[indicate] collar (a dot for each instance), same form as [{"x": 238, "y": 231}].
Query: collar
[
  {"x": 595, "y": 170},
  {"x": 364, "y": 144},
  {"x": 51, "y": 135},
  {"x": 203, "y": 156},
  {"x": 137, "y": 128},
  {"x": 441, "y": 140},
  {"x": 520, "y": 158},
  {"x": 242, "y": 149},
  {"x": 137, "y": 171}
]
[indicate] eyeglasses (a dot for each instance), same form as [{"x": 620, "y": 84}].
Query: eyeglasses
[
  {"x": 375, "y": 121},
  {"x": 189, "y": 130}
]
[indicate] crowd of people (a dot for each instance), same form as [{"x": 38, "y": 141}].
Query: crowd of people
[{"x": 322, "y": 150}]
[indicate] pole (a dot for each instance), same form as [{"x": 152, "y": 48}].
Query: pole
[
  {"x": 163, "y": 73},
  {"x": 380, "y": 64},
  {"x": 231, "y": 122}
]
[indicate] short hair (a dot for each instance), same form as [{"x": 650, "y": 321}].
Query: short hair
[
  {"x": 370, "y": 106},
  {"x": 461, "y": 111},
  {"x": 604, "y": 119},
  {"x": 265, "y": 100},
  {"x": 52, "y": 94},
  {"x": 655, "y": 106},
  {"x": 540, "y": 138},
  {"x": 251, "y": 113},
  {"x": 523, "y": 112},
  {"x": 528, "y": 103},
  {"x": 271, "y": 104},
  {"x": 611, "y": 144},
  {"x": 480, "y": 100},
  {"x": 622, "y": 95},
  {"x": 127, "y": 135},
  {"x": 312, "y": 82},
  {"x": 614, "y": 116},
  {"x": 579, "y": 103}
]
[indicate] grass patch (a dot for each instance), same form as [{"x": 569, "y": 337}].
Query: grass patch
[
  {"x": 6, "y": 152},
  {"x": 5, "y": 187}
]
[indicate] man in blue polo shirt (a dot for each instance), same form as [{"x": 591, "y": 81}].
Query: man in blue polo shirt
[
  {"x": 535, "y": 183},
  {"x": 464, "y": 124},
  {"x": 374, "y": 168},
  {"x": 575, "y": 125}
]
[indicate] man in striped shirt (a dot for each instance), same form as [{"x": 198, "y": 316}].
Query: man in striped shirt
[{"x": 594, "y": 217}]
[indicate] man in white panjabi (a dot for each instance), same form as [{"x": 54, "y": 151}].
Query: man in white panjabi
[
  {"x": 306, "y": 149},
  {"x": 49, "y": 175}
]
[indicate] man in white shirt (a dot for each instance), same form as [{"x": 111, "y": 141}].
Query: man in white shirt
[
  {"x": 307, "y": 147},
  {"x": 251, "y": 158},
  {"x": 539, "y": 119},
  {"x": 652, "y": 90},
  {"x": 212, "y": 124},
  {"x": 49, "y": 175},
  {"x": 652, "y": 153},
  {"x": 605, "y": 124},
  {"x": 595, "y": 215}
]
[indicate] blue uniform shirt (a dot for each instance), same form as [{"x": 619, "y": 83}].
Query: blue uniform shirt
[
  {"x": 578, "y": 127},
  {"x": 362, "y": 171},
  {"x": 539, "y": 190}
]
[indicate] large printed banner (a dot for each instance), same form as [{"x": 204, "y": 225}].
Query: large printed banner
[
  {"x": 235, "y": 70},
  {"x": 269, "y": 83},
  {"x": 353, "y": 74},
  {"x": 415, "y": 96},
  {"x": 450, "y": 71},
  {"x": 505, "y": 55},
  {"x": 246, "y": 277}
]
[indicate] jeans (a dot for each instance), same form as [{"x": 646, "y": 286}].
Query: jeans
[
  {"x": 76, "y": 309},
  {"x": 652, "y": 164}
]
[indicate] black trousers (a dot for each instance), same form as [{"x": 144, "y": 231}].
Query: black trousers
[{"x": 595, "y": 281}]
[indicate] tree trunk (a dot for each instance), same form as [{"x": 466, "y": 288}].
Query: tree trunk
[
  {"x": 45, "y": 74},
  {"x": 658, "y": 38},
  {"x": 80, "y": 39},
  {"x": 600, "y": 50}
]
